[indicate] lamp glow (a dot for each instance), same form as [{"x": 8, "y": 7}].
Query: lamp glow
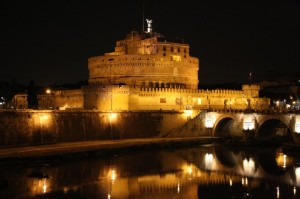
[
  {"x": 248, "y": 123},
  {"x": 112, "y": 116},
  {"x": 297, "y": 128},
  {"x": 249, "y": 167},
  {"x": 188, "y": 113},
  {"x": 209, "y": 123},
  {"x": 209, "y": 158}
]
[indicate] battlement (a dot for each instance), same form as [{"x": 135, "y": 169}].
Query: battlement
[{"x": 215, "y": 93}]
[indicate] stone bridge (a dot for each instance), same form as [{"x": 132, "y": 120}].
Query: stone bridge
[
  {"x": 245, "y": 124},
  {"x": 259, "y": 125}
]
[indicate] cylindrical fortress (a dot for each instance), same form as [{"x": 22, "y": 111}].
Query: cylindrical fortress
[{"x": 146, "y": 60}]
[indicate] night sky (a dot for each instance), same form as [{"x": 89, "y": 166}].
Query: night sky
[{"x": 50, "y": 41}]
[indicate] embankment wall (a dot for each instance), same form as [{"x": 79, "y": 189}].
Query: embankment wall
[{"x": 28, "y": 127}]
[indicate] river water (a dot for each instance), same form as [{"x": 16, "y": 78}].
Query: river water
[{"x": 202, "y": 172}]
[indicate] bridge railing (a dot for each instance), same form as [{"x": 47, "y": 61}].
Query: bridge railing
[{"x": 265, "y": 111}]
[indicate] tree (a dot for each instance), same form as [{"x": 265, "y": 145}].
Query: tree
[{"x": 32, "y": 96}]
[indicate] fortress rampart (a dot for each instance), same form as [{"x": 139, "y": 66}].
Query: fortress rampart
[{"x": 141, "y": 98}]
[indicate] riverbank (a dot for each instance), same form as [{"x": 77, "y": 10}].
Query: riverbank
[{"x": 103, "y": 147}]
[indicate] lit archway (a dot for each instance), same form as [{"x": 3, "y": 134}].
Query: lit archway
[{"x": 226, "y": 127}]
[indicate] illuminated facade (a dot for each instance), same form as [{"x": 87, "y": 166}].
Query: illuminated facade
[
  {"x": 147, "y": 71},
  {"x": 53, "y": 99},
  {"x": 146, "y": 60},
  {"x": 150, "y": 72}
]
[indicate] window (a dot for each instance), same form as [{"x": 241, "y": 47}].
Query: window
[
  {"x": 163, "y": 100},
  {"x": 172, "y": 49},
  {"x": 176, "y": 58},
  {"x": 164, "y": 48}
]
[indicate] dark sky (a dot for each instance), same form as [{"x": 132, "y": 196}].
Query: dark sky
[{"x": 50, "y": 41}]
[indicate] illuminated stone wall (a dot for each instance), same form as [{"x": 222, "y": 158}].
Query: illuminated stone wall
[
  {"x": 69, "y": 99},
  {"x": 20, "y": 101},
  {"x": 57, "y": 99},
  {"x": 35, "y": 127},
  {"x": 147, "y": 60},
  {"x": 251, "y": 90},
  {"x": 146, "y": 71},
  {"x": 137, "y": 98},
  {"x": 132, "y": 98}
]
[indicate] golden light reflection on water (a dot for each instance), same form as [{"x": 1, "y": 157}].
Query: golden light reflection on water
[
  {"x": 178, "y": 188},
  {"x": 249, "y": 167},
  {"x": 283, "y": 160},
  {"x": 297, "y": 175},
  {"x": 40, "y": 186},
  {"x": 186, "y": 175},
  {"x": 209, "y": 160}
]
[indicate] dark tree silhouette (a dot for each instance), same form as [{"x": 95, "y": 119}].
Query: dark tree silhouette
[{"x": 32, "y": 96}]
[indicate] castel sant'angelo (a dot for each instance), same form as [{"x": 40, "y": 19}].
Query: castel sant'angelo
[{"x": 147, "y": 71}]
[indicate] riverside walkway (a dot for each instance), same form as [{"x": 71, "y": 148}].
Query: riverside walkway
[{"x": 100, "y": 146}]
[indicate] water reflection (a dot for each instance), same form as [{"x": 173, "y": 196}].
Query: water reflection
[{"x": 200, "y": 172}]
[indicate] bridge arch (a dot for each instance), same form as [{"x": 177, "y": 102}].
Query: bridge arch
[
  {"x": 226, "y": 126},
  {"x": 274, "y": 128}
]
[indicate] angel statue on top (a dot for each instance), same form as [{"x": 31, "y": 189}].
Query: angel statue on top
[{"x": 149, "y": 25}]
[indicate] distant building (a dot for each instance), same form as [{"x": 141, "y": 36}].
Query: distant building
[
  {"x": 283, "y": 89},
  {"x": 56, "y": 99},
  {"x": 148, "y": 71},
  {"x": 20, "y": 100}
]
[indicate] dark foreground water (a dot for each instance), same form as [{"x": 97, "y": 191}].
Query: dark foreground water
[{"x": 203, "y": 172}]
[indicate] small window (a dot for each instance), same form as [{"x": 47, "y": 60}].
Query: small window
[
  {"x": 164, "y": 48},
  {"x": 163, "y": 100},
  {"x": 164, "y": 54},
  {"x": 185, "y": 50},
  {"x": 172, "y": 49},
  {"x": 178, "y": 49}
]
